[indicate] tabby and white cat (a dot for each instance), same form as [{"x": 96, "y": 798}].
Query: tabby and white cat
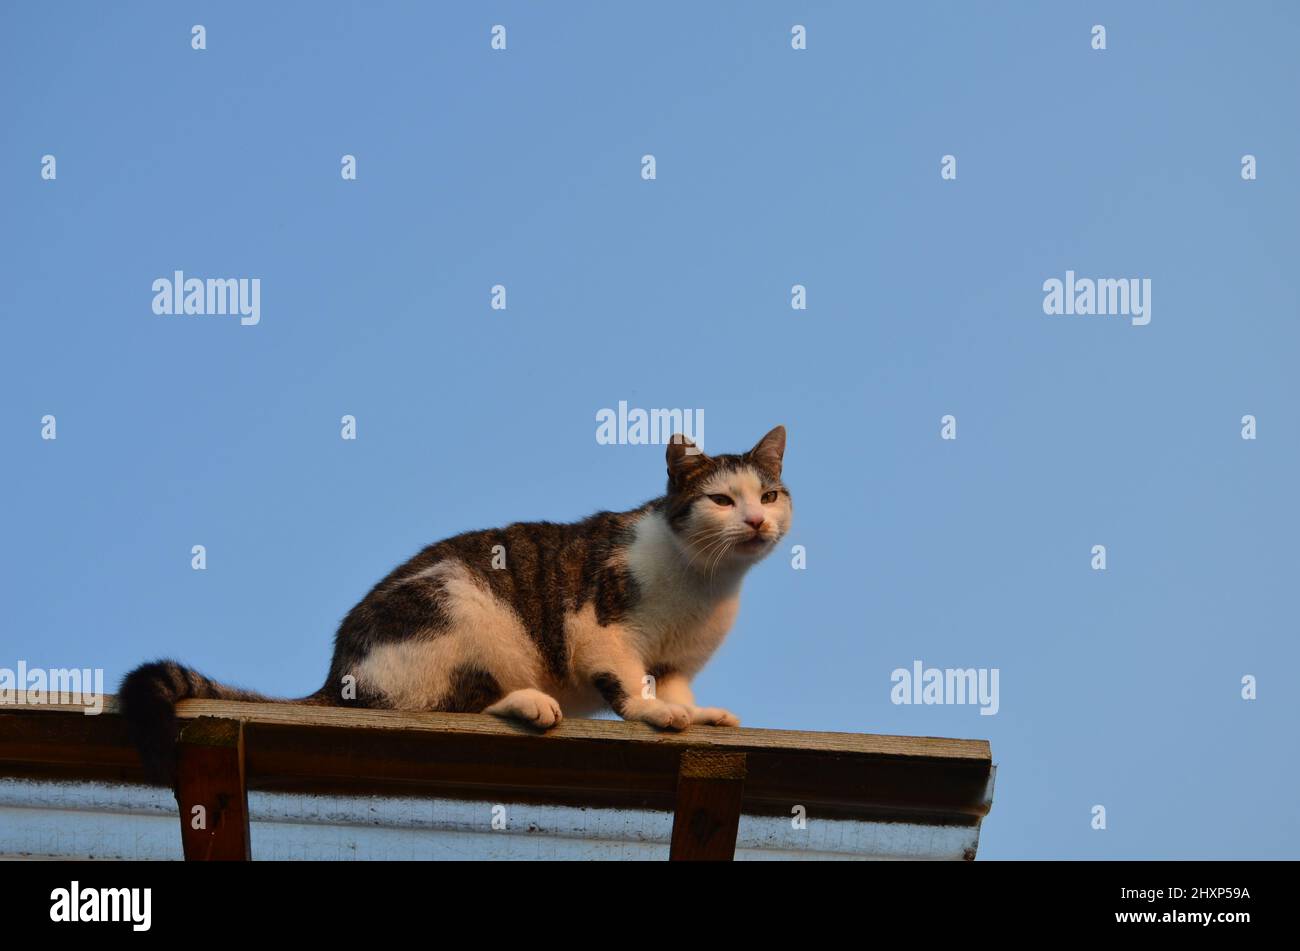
[{"x": 620, "y": 609}]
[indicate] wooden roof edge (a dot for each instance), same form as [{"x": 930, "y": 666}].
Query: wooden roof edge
[{"x": 287, "y": 715}]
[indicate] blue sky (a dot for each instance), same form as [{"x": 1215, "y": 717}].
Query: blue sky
[{"x": 774, "y": 167}]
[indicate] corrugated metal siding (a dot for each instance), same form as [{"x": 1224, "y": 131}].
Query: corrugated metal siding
[{"x": 95, "y": 820}]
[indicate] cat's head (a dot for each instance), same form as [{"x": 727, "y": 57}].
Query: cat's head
[{"x": 727, "y": 509}]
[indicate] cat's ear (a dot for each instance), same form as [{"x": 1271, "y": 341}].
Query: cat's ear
[
  {"x": 684, "y": 457},
  {"x": 770, "y": 450}
]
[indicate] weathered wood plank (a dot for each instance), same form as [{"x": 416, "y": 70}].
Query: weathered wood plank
[
  {"x": 211, "y": 792},
  {"x": 582, "y": 762},
  {"x": 710, "y": 793},
  {"x": 481, "y": 725}
]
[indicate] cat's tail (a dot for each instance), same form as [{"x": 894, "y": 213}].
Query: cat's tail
[{"x": 147, "y": 699}]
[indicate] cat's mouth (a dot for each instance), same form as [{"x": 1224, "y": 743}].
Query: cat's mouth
[{"x": 754, "y": 543}]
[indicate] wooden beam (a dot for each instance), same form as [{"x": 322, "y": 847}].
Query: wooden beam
[
  {"x": 211, "y": 792},
  {"x": 710, "y": 792},
  {"x": 580, "y": 763}
]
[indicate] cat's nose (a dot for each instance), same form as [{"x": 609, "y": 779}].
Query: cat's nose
[{"x": 755, "y": 521}]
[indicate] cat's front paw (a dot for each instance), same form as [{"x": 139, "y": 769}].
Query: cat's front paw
[
  {"x": 528, "y": 706},
  {"x": 714, "y": 716},
  {"x": 666, "y": 716}
]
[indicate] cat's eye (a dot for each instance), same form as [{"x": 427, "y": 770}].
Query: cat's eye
[
  {"x": 769, "y": 497},
  {"x": 722, "y": 499}
]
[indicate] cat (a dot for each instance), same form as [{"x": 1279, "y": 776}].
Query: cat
[{"x": 531, "y": 621}]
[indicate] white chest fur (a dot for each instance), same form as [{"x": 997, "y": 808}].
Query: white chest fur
[{"x": 684, "y": 611}]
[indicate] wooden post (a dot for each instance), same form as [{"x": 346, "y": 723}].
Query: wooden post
[
  {"x": 211, "y": 791},
  {"x": 710, "y": 787}
]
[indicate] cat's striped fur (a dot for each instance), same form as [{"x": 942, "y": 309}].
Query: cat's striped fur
[{"x": 620, "y": 609}]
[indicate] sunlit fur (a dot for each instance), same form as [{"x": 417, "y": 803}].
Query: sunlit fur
[
  {"x": 716, "y": 538},
  {"x": 619, "y": 610}
]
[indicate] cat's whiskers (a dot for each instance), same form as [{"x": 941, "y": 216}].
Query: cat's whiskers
[
  {"x": 717, "y": 537},
  {"x": 728, "y": 544},
  {"x": 730, "y": 537},
  {"x": 705, "y": 536}
]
